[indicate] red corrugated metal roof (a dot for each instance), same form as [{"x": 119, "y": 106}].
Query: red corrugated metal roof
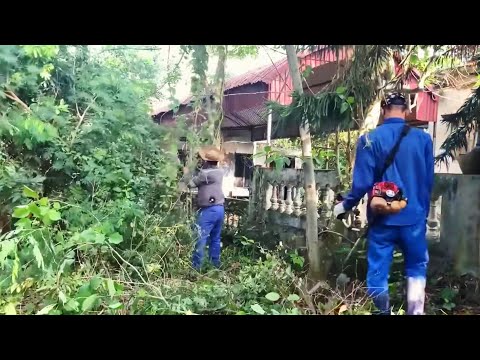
[
  {"x": 264, "y": 74},
  {"x": 279, "y": 85}
]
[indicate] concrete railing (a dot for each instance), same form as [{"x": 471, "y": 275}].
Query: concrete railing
[{"x": 278, "y": 197}]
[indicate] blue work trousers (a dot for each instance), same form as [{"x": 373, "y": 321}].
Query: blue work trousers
[
  {"x": 209, "y": 224},
  {"x": 382, "y": 240}
]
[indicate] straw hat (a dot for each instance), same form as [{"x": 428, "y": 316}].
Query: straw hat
[{"x": 211, "y": 153}]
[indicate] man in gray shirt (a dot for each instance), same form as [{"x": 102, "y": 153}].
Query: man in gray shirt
[{"x": 210, "y": 201}]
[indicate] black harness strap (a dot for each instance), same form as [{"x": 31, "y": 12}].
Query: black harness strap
[
  {"x": 389, "y": 160},
  {"x": 393, "y": 152}
]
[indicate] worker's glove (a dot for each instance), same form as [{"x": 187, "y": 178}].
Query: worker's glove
[{"x": 339, "y": 210}]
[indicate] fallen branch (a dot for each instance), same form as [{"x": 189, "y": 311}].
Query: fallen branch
[
  {"x": 161, "y": 297},
  {"x": 11, "y": 95},
  {"x": 81, "y": 119},
  {"x": 307, "y": 298},
  {"x": 320, "y": 284},
  {"x": 326, "y": 231}
]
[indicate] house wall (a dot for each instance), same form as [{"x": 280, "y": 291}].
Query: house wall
[
  {"x": 232, "y": 147},
  {"x": 244, "y": 135},
  {"x": 229, "y": 181},
  {"x": 229, "y": 178},
  {"x": 449, "y": 102}
]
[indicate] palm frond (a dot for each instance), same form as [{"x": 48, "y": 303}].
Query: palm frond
[
  {"x": 324, "y": 112},
  {"x": 347, "y": 97},
  {"x": 367, "y": 73},
  {"x": 464, "y": 52}
]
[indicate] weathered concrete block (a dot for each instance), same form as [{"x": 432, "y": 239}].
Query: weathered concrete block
[{"x": 460, "y": 220}]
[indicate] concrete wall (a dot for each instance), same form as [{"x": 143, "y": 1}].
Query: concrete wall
[
  {"x": 459, "y": 221},
  {"x": 453, "y": 224}
]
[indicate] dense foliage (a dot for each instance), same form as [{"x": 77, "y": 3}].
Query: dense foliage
[{"x": 77, "y": 140}]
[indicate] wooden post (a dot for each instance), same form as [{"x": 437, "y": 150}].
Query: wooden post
[
  {"x": 254, "y": 195},
  {"x": 269, "y": 127}
]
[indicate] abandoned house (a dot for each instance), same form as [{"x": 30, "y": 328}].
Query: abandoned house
[{"x": 248, "y": 125}]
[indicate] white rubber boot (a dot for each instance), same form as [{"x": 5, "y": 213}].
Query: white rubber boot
[{"x": 416, "y": 296}]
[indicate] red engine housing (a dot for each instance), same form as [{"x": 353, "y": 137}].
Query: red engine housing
[{"x": 387, "y": 190}]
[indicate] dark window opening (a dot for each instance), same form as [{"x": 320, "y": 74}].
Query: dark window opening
[{"x": 243, "y": 169}]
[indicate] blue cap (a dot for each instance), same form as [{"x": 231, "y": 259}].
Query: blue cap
[{"x": 394, "y": 99}]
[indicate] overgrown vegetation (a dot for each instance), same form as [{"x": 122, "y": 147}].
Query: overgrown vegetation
[
  {"x": 330, "y": 152},
  {"x": 89, "y": 206},
  {"x": 89, "y": 199},
  {"x": 76, "y": 139}
]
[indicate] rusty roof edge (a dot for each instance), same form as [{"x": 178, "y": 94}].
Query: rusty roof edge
[{"x": 250, "y": 77}]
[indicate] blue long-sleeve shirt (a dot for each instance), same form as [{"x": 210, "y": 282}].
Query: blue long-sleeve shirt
[{"x": 412, "y": 170}]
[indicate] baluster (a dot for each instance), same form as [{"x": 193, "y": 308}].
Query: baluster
[
  {"x": 268, "y": 196},
  {"x": 304, "y": 201},
  {"x": 274, "y": 199},
  {"x": 319, "y": 194},
  {"x": 289, "y": 202},
  {"x": 297, "y": 202},
  {"x": 439, "y": 211},
  {"x": 433, "y": 223},
  {"x": 281, "y": 198},
  {"x": 320, "y": 199},
  {"x": 325, "y": 202},
  {"x": 329, "y": 200}
]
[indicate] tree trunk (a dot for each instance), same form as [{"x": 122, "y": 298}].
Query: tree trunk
[
  {"x": 211, "y": 93},
  {"x": 372, "y": 118},
  {"x": 350, "y": 156},
  {"x": 218, "y": 88},
  {"x": 317, "y": 264},
  {"x": 337, "y": 156},
  {"x": 370, "y": 122}
]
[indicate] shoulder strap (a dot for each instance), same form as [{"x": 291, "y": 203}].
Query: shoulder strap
[{"x": 394, "y": 150}]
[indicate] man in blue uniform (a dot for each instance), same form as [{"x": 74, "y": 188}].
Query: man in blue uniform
[{"x": 412, "y": 170}]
